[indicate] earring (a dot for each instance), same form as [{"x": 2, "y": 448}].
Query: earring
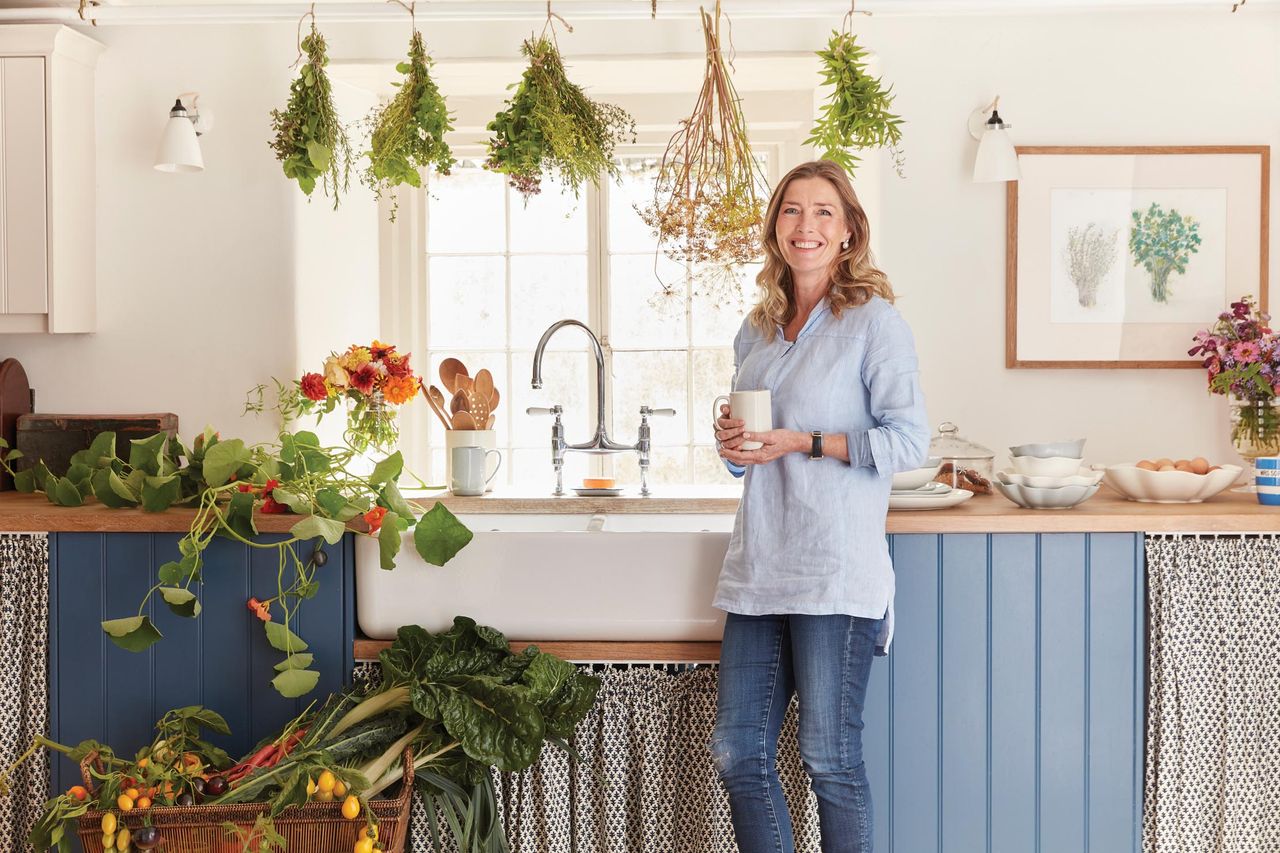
[{"x": 844, "y": 245}]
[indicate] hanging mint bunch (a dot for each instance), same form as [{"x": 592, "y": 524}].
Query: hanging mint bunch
[{"x": 856, "y": 115}]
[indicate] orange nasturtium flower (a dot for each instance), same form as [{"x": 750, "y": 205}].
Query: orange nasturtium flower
[
  {"x": 373, "y": 518},
  {"x": 399, "y": 389}
]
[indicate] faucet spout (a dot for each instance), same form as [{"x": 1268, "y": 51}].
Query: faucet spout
[{"x": 601, "y": 443}]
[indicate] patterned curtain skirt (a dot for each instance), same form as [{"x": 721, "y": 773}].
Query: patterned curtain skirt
[{"x": 1213, "y": 713}]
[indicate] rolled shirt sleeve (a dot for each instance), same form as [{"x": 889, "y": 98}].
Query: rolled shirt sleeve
[{"x": 891, "y": 374}]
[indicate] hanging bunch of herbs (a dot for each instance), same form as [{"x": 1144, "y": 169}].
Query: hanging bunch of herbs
[
  {"x": 310, "y": 139},
  {"x": 550, "y": 125},
  {"x": 408, "y": 132},
  {"x": 857, "y": 113},
  {"x": 710, "y": 190}
]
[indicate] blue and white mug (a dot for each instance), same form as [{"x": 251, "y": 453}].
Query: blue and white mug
[{"x": 1266, "y": 479}]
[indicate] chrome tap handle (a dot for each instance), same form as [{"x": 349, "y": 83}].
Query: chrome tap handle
[
  {"x": 645, "y": 411},
  {"x": 556, "y": 410},
  {"x": 557, "y": 441},
  {"x": 644, "y": 443}
]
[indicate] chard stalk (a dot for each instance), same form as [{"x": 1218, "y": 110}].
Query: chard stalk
[
  {"x": 392, "y": 775},
  {"x": 395, "y": 697},
  {"x": 378, "y": 766}
]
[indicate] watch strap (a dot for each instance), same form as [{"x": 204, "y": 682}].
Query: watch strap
[{"x": 815, "y": 451}]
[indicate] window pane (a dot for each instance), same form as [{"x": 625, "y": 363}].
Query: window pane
[
  {"x": 565, "y": 378},
  {"x": 544, "y": 289},
  {"x": 468, "y": 302},
  {"x": 718, "y": 311},
  {"x": 465, "y": 211},
  {"x": 496, "y": 364},
  {"x": 634, "y": 318},
  {"x": 533, "y": 468},
  {"x": 627, "y": 231},
  {"x": 666, "y": 465},
  {"x": 712, "y": 375},
  {"x": 654, "y": 379},
  {"x": 551, "y": 221},
  {"x": 709, "y": 468}
]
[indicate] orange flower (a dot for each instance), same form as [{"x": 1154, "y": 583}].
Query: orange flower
[
  {"x": 399, "y": 389},
  {"x": 374, "y": 517}
]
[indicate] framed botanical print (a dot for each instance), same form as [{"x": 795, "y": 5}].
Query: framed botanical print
[{"x": 1116, "y": 256}]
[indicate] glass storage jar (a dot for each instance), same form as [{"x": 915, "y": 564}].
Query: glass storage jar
[{"x": 958, "y": 454}]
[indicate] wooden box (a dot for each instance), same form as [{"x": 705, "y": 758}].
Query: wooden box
[{"x": 55, "y": 438}]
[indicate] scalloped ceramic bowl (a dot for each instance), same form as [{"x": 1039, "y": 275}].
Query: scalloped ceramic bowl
[
  {"x": 1169, "y": 487},
  {"x": 1046, "y": 449},
  {"x": 915, "y": 478},
  {"x": 1082, "y": 477},
  {"x": 1063, "y": 497},
  {"x": 1046, "y": 466}
]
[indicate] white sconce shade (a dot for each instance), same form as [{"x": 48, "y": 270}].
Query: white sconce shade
[
  {"x": 997, "y": 159},
  {"x": 179, "y": 149}
]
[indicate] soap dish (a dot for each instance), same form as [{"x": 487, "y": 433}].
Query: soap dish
[{"x": 597, "y": 493}]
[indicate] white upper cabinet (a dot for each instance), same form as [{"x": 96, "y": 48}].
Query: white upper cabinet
[{"x": 47, "y": 179}]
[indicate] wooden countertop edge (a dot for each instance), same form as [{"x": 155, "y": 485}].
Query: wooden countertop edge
[
  {"x": 590, "y": 651},
  {"x": 1105, "y": 513}
]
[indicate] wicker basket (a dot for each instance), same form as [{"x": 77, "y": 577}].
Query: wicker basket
[{"x": 311, "y": 828}]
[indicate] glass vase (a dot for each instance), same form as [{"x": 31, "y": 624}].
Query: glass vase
[
  {"x": 371, "y": 424},
  {"x": 1255, "y": 427}
]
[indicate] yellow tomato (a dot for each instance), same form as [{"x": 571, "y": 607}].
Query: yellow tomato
[
  {"x": 311, "y": 787},
  {"x": 324, "y": 796},
  {"x": 364, "y": 845},
  {"x": 125, "y": 803},
  {"x": 326, "y": 781},
  {"x": 109, "y": 822},
  {"x": 365, "y": 832},
  {"x": 123, "y": 837},
  {"x": 143, "y": 762},
  {"x": 132, "y": 793},
  {"x": 109, "y": 841},
  {"x": 339, "y": 789},
  {"x": 351, "y": 807},
  {"x": 143, "y": 803}
]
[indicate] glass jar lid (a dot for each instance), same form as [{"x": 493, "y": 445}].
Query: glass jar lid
[{"x": 950, "y": 444}]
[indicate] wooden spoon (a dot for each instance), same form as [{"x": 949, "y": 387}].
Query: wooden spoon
[
  {"x": 436, "y": 396},
  {"x": 463, "y": 382},
  {"x": 438, "y": 406},
  {"x": 493, "y": 400},
  {"x": 484, "y": 385},
  {"x": 463, "y": 420},
  {"x": 450, "y": 368},
  {"x": 492, "y": 420},
  {"x": 459, "y": 403}
]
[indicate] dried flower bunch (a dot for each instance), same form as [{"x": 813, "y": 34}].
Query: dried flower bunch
[
  {"x": 550, "y": 125},
  {"x": 709, "y": 195},
  {"x": 856, "y": 114},
  {"x": 408, "y": 131},
  {"x": 310, "y": 139}
]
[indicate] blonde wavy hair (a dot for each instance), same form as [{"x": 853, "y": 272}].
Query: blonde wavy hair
[{"x": 854, "y": 276}]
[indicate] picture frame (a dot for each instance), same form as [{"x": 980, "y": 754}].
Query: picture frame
[{"x": 1116, "y": 255}]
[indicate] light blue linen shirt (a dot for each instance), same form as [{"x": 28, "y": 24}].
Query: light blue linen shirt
[{"x": 809, "y": 536}]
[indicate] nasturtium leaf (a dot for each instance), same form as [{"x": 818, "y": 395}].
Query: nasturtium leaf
[
  {"x": 282, "y": 639},
  {"x": 102, "y": 450},
  {"x": 239, "y": 515},
  {"x": 159, "y": 493},
  {"x": 25, "y": 481},
  {"x": 293, "y": 683},
  {"x": 387, "y": 470},
  {"x": 107, "y": 494},
  {"x": 136, "y": 633},
  {"x": 312, "y": 526},
  {"x": 439, "y": 535},
  {"x": 395, "y": 501},
  {"x": 331, "y": 501},
  {"x": 144, "y": 453},
  {"x": 65, "y": 493},
  {"x": 389, "y": 539},
  {"x": 170, "y": 573},
  {"x": 292, "y": 500},
  {"x": 222, "y": 460},
  {"x": 182, "y": 602},
  {"x": 120, "y": 488},
  {"x": 298, "y": 661}
]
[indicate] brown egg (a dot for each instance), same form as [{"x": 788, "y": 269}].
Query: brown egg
[
  {"x": 1182, "y": 462},
  {"x": 1184, "y": 466},
  {"x": 1147, "y": 465},
  {"x": 1200, "y": 465},
  {"x": 1163, "y": 461},
  {"x": 1166, "y": 468}
]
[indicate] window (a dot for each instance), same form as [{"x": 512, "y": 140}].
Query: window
[{"x": 500, "y": 272}]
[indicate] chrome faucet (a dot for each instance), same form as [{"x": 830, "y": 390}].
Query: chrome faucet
[{"x": 600, "y": 443}]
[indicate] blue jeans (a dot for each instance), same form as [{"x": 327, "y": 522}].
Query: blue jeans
[{"x": 826, "y": 660}]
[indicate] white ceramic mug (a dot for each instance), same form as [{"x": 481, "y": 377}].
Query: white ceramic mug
[
  {"x": 468, "y": 477},
  {"x": 486, "y": 438},
  {"x": 752, "y": 407}
]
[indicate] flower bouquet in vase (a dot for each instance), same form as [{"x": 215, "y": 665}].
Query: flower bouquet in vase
[
  {"x": 1242, "y": 358},
  {"x": 373, "y": 381}
]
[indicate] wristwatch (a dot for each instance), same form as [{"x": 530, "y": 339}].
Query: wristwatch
[{"x": 815, "y": 452}]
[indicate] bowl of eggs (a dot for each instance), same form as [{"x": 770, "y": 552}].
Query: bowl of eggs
[{"x": 1171, "y": 481}]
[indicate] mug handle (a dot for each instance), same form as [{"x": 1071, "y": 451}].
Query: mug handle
[
  {"x": 495, "y": 467},
  {"x": 715, "y": 410}
]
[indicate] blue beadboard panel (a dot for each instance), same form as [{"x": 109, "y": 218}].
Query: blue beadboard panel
[
  {"x": 220, "y": 660},
  {"x": 1008, "y": 716}
]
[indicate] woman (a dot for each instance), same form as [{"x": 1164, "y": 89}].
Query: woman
[{"x": 807, "y": 582}]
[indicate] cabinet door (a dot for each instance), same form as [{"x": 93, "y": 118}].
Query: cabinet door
[{"x": 24, "y": 266}]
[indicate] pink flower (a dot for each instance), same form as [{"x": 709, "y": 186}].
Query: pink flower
[
  {"x": 363, "y": 377},
  {"x": 1246, "y": 351}
]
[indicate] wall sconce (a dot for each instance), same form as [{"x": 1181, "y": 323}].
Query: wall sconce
[
  {"x": 997, "y": 160},
  {"x": 179, "y": 149}
]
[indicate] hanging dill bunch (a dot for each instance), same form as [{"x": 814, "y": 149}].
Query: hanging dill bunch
[
  {"x": 856, "y": 115},
  {"x": 551, "y": 126},
  {"x": 408, "y": 132},
  {"x": 310, "y": 139}
]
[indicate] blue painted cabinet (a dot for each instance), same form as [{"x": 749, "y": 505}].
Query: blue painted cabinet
[
  {"x": 1008, "y": 716},
  {"x": 220, "y": 660}
]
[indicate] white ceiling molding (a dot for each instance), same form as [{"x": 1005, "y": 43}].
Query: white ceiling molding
[{"x": 179, "y": 11}]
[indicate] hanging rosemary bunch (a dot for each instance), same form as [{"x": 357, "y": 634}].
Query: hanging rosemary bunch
[
  {"x": 408, "y": 131},
  {"x": 309, "y": 137},
  {"x": 550, "y": 125},
  {"x": 856, "y": 115},
  {"x": 709, "y": 195}
]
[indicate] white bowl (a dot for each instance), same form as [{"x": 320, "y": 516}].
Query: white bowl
[
  {"x": 1046, "y": 466},
  {"x": 917, "y": 477},
  {"x": 1082, "y": 477},
  {"x": 1169, "y": 487},
  {"x": 1046, "y": 449},
  {"x": 1064, "y": 497}
]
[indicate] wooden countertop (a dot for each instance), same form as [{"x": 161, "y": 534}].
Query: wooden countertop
[{"x": 1105, "y": 512}]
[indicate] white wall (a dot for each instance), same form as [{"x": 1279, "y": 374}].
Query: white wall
[{"x": 212, "y": 283}]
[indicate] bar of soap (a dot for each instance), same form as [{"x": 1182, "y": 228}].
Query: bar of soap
[{"x": 598, "y": 483}]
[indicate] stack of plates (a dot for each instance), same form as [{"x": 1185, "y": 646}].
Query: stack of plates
[{"x": 929, "y": 496}]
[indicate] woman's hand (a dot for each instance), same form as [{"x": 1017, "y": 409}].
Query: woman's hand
[
  {"x": 777, "y": 443},
  {"x": 728, "y": 430}
]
